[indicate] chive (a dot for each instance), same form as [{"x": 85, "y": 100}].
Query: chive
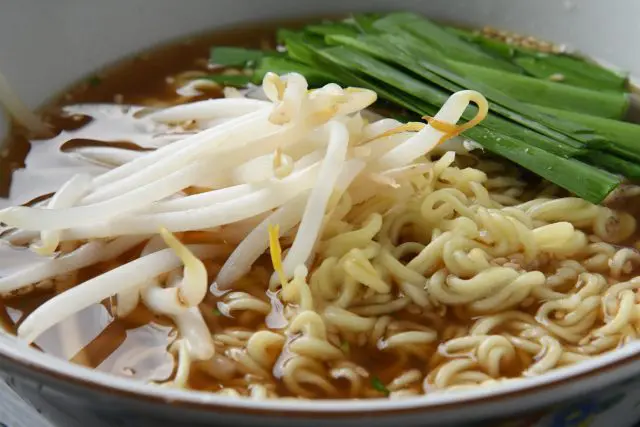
[
  {"x": 423, "y": 90},
  {"x": 234, "y": 56},
  {"x": 434, "y": 96},
  {"x": 436, "y": 71},
  {"x": 571, "y": 64},
  {"x": 378, "y": 385},
  {"x": 550, "y": 94},
  {"x": 581, "y": 179},
  {"x": 545, "y": 69},
  {"x": 310, "y": 53},
  {"x": 216, "y": 312},
  {"x": 235, "y": 80},
  {"x": 576, "y": 71},
  {"x": 332, "y": 28},
  {"x": 624, "y": 137},
  {"x": 282, "y": 34},
  {"x": 514, "y": 110},
  {"x": 495, "y": 47},
  {"x": 438, "y": 38},
  {"x": 303, "y": 49},
  {"x": 614, "y": 164},
  {"x": 300, "y": 47},
  {"x": 364, "y": 22},
  {"x": 577, "y": 177},
  {"x": 351, "y": 58}
]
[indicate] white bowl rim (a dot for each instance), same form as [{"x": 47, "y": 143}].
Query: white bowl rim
[{"x": 18, "y": 351}]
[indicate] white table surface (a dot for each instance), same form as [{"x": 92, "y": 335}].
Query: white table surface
[{"x": 14, "y": 412}]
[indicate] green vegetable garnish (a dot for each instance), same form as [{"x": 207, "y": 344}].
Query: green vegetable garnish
[
  {"x": 332, "y": 28},
  {"x": 378, "y": 385},
  {"x": 216, "y": 312},
  {"x": 234, "y": 56},
  {"x": 345, "y": 347},
  {"x": 440, "y": 39},
  {"x": 623, "y": 136},
  {"x": 574, "y": 70},
  {"x": 609, "y": 104},
  {"x": 235, "y": 80},
  {"x": 546, "y": 125},
  {"x": 545, "y": 157},
  {"x": 503, "y": 105}
]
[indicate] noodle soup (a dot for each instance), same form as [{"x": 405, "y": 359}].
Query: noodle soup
[{"x": 285, "y": 242}]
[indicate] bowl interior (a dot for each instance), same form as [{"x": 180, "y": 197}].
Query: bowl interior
[{"x": 47, "y": 46}]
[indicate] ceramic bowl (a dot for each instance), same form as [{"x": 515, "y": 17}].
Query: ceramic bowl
[{"x": 45, "y": 46}]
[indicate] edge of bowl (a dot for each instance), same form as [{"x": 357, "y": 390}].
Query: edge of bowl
[{"x": 618, "y": 365}]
